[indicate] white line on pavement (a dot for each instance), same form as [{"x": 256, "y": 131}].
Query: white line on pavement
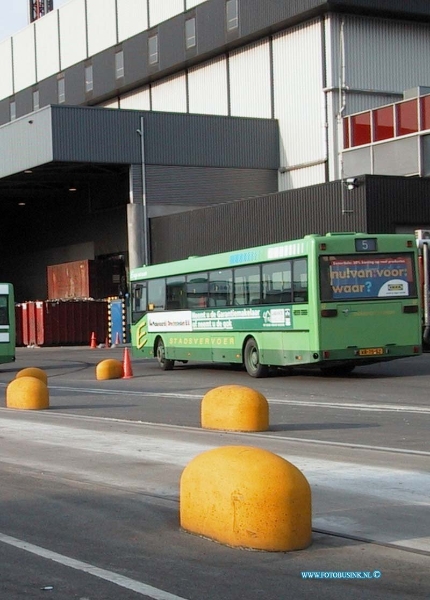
[
  {"x": 125, "y": 582},
  {"x": 311, "y": 403}
]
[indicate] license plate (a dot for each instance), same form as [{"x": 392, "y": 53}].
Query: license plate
[{"x": 371, "y": 351}]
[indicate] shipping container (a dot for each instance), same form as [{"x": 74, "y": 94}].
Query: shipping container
[
  {"x": 63, "y": 322},
  {"x": 95, "y": 279},
  {"x": 18, "y": 325}
]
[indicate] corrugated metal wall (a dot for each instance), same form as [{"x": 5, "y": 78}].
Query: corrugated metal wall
[
  {"x": 72, "y": 33},
  {"x": 381, "y": 204},
  {"x": 170, "y": 95},
  {"x": 208, "y": 88},
  {"x": 202, "y": 186},
  {"x": 161, "y": 11},
  {"x": 263, "y": 220},
  {"x": 101, "y": 23},
  {"x": 386, "y": 55},
  {"x": 132, "y": 18},
  {"x": 192, "y": 3},
  {"x": 6, "y": 79},
  {"x": 201, "y": 140},
  {"x": 47, "y": 43},
  {"x": 397, "y": 203},
  {"x": 251, "y": 88},
  {"x": 24, "y": 59},
  {"x": 299, "y": 99}
]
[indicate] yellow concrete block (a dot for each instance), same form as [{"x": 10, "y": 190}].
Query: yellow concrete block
[
  {"x": 246, "y": 497},
  {"x": 235, "y": 408},
  {"x": 33, "y": 372},
  {"x": 27, "y": 393},
  {"x": 109, "y": 369}
]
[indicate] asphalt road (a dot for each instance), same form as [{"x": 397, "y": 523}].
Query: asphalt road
[{"x": 90, "y": 487}]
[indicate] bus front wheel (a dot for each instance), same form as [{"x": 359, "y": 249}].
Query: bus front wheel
[
  {"x": 164, "y": 363},
  {"x": 252, "y": 360}
]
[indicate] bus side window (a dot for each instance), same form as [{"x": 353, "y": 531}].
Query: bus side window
[
  {"x": 221, "y": 288},
  {"x": 197, "y": 290},
  {"x": 247, "y": 285},
  {"x": 300, "y": 280},
  {"x": 175, "y": 293},
  {"x": 157, "y": 294},
  {"x": 138, "y": 301},
  {"x": 277, "y": 282}
]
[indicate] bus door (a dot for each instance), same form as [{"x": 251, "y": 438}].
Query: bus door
[{"x": 7, "y": 323}]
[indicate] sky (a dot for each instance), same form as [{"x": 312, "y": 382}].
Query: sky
[{"x": 15, "y": 15}]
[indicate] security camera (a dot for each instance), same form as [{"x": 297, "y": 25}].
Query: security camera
[{"x": 351, "y": 183}]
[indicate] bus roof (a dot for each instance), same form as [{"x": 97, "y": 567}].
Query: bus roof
[{"x": 257, "y": 254}]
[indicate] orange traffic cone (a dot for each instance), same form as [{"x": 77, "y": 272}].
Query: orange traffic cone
[
  {"x": 93, "y": 343},
  {"x": 128, "y": 371},
  {"x": 117, "y": 340}
]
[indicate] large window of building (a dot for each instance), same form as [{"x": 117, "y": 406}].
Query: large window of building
[
  {"x": 361, "y": 129},
  {"x": 153, "y": 50},
  {"x": 61, "y": 90},
  {"x": 119, "y": 64},
  {"x": 36, "y": 100},
  {"x": 89, "y": 84},
  {"x": 383, "y": 123},
  {"x": 407, "y": 117},
  {"x": 190, "y": 33},
  {"x": 232, "y": 14}
]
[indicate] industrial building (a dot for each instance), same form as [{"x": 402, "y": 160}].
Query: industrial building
[{"x": 223, "y": 122}]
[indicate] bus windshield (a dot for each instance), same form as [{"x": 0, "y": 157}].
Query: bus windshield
[{"x": 367, "y": 277}]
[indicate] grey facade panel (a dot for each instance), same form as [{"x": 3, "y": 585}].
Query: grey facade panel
[
  {"x": 75, "y": 84},
  {"x": 201, "y": 186},
  {"x": 171, "y": 42},
  {"x": 4, "y": 111},
  {"x": 135, "y": 59},
  {"x": 210, "y": 26},
  {"x": 48, "y": 91},
  {"x": 357, "y": 162},
  {"x": 104, "y": 73},
  {"x": 399, "y": 157},
  {"x": 425, "y": 155},
  {"x": 201, "y": 140},
  {"x": 24, "y": 102},
  {"x": 263, "y": 220}
]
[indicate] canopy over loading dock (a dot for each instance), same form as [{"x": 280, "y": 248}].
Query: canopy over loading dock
[{"x": 80, "y": 183}]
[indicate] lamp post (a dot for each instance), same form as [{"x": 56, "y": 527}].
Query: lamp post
[{"x": 141, "y": 132}]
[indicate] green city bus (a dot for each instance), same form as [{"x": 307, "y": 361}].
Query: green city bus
[
  {"x": 334, "y": 302},
  {"x": 7, "y": 323}
]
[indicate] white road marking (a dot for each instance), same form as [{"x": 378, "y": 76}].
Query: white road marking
[
  {"x": 404, "y": 408},
  {"x": 383, "y": 503},
  {"x": 125, "y": 582},
  {"x": 359, "y": 406}
]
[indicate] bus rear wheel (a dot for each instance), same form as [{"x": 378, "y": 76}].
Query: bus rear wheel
[
  {"x": 252, "y": 360},
  {"x": 165, "y": 363}
]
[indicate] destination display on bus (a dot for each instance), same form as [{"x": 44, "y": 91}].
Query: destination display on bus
[{"x": 350, "y": 277}]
